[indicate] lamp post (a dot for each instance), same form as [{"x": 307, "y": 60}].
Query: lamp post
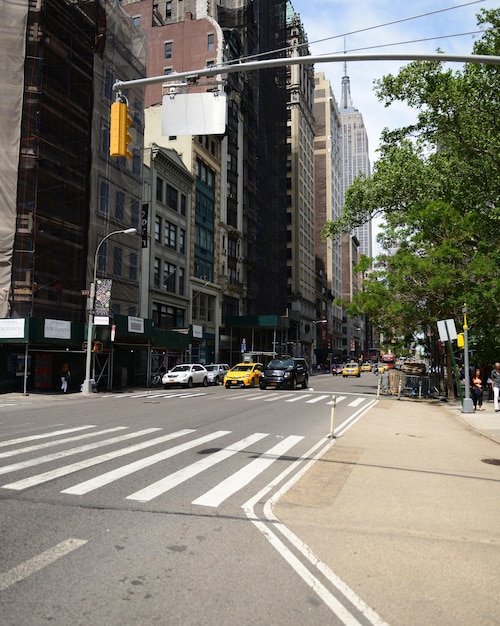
[{"x": 87, "y": 383}]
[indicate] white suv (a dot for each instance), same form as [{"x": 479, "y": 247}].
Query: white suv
[{"x": 216, "y": 372}]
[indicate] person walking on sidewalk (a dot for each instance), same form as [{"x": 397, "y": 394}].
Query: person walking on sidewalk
[
  {"x": 495, "y": 384},
  {"x": 477, "y": 391}
]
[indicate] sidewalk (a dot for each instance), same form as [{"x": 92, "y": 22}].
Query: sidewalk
[{"x": 404, "y": 509}]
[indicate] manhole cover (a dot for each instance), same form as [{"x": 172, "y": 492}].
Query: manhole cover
[{"x": 491, "y": 461}]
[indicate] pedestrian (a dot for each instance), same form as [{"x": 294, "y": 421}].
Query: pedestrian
[
  {"x": 477, "y": 391},
  {"x": 495, "y": 384},
  {"x": 65, "y": 377}
]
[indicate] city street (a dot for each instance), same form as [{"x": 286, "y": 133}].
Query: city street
[{"x": 150, "y": 506}]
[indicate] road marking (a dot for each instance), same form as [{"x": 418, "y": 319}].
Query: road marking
[
  {"x": 240, "y": 396},
  {"x": 59, "y": 455},
  {"x": 259, "y": 396},
  {"x": 50, "y": 444},
  {"x": 337, "y": 399},
  {"x": 273, "y": 398},
  {"x": 356, "y": 402},
  {"x": 37, "y": 563},
  {"x": 342, "y": 612},
  {"x": 318, "y": 399},
  {"x": 75, "y": 467},
  {"x": 299, "y": 397},
  {"x": 246, "y": 474},
  {"x": 65, "y": 431},
  {"x": 126, "y": 470},
  {"x": 173, "y": 480}
]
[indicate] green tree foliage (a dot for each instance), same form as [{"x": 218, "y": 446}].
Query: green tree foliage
[{"x": 437, "y": 187}]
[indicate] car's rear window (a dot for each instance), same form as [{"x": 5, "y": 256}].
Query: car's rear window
[{"x": 277, "y": 364}]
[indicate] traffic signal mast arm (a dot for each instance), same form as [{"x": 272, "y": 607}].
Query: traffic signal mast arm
[{"x": 249, "y": 66}]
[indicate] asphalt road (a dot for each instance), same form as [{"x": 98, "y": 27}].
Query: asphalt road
[{"x": 149, "y": 507}]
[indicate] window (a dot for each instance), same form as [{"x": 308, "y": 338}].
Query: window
[
  {"x": 137, "y": 20},
  {"x": 168, "y": 49},
  {"x": 102, "y": 258},
  {"x": 136, "y": 161},
  {"x": 182, "y": 241},
  {"x": 108, "y": 85},
  {"x": 181, "y": 281},
  {"x": 169, "y": 271},
  {"x": 165, "y": 316},
  {"x": 168, "y": 8},
  {"x": 118, "y": 261},
  {"x": 134, "y": 214},
  {"x": 156, "y": 272},
  {"x": 104, "y": 138},
  {"x": 159, "y": 189},
  {"x": 158, "y": 229},
  {"x": 183, "y": 204},
  {"x": 210, "y": 41},
  {"x": 171, "y": 197},
  {"x": 167, "y": 70},
  {"x": 170, "y": 235},
  {"x": 120, "y": 205},
  {"x": 104, "y": 197},
  {"x": 133, "y": 266}
]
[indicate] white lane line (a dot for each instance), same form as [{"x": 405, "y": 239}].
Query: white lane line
[
  {"x": 337, "y": 399},
  {"x": 310, "y": 579},
  {"x": 126, "y": 470},
  {"x": 318, "y": 399},
  {"x": 356, "y": 402},
  {"x": 301, "y": 397},
  {"x": 169, "y": 482},
  {"x": 51, "y": 444},
  {"x": 65, "y": 431},
  {"x": 38, "y": 562},
  {"x": 246, "y": 474},
  {"x": 64, "y": 453}
]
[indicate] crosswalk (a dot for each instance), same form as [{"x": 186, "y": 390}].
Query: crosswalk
[
  {"x": 34, "y": 460},
  {"x": 352, "y": 400}
]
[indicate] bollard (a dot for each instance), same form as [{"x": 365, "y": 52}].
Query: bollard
[
  {"x": 420, "y": 389},
  {"x": 332, "y": 417},
  {"x": 399, "y": 389},
  {"x": 378, "y": 388}
]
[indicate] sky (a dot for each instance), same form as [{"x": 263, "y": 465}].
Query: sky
[{"x": 324, "y": 19}]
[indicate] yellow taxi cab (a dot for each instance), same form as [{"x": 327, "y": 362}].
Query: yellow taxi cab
[
  {"x": 243, "y": 375},
  {"x": 366, "y": 367},
  {"x": 351, "y": 369},
  {"x": 382, "y": 367}
]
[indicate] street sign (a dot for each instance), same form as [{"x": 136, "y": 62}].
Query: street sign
[{"x": 447, "y": 330}]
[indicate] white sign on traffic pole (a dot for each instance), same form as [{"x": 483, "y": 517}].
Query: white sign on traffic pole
[{"x": 447, "y": 330}]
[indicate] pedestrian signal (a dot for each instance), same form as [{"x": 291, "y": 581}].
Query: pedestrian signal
[
  {"x": 460, "y": 340},
  {"x": 119, "y": 137}
]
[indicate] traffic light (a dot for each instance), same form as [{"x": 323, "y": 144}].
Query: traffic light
[
  {"x": 460, "y": 340},
  {"x": 120, "y": 138}
]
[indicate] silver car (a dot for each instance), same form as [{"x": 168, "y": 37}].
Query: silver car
[
  {"x": 187, "y": 375},
  {"x": 216, "y": 372}
]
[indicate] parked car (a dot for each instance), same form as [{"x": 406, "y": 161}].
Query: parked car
[
  {"x": 216, "y": 372},
  {"x": 366, "y": 367},
  {"x": 337, "y": 369},
  {"x": 243, "y": 375},
  {"x": 187, "y": 375},
  {"x": 285, "y": 373},
  {"x": 351, "y": 369}
]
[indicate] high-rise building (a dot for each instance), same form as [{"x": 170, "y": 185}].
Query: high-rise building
[
  {"x": 356, "y": 161},
  {"x": 355, "y": 155},
  {"x": 328, "y": 204},
  {"x": 301, "y": 273}
]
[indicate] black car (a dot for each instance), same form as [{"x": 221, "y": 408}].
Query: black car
[{"x": 289, "y": 372}]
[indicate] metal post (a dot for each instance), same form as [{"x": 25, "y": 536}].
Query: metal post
[
  {"x": 332, "y": 417},
  {"x": 25, "y": 384},
  {"x": 468, "y": 405},
  {"x": 87, "y": 383}
]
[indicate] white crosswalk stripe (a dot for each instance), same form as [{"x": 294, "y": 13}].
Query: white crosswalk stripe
[
  {"x": 169, "y": 482},
  {"x": 64, "y": 431},
  {"x": 356, "y": 402},
  {"x": 96, "y": 460},
  {"x": 338, "y": 399},
  {"x": 109, "y": 477},
  {"x": 317, "y": 399},
  {"x": 242, "y": 477}
]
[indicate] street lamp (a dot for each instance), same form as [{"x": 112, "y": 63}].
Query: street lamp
[{"x": 87, "y": 383}]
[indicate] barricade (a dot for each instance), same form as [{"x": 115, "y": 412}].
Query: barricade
[{"x": 396, "y": 383}]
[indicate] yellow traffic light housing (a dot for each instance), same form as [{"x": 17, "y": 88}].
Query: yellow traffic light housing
[
  {"x": 460, "y": 340},
  {"x": 119, "y": 137}
]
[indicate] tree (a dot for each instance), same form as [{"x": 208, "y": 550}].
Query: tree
[{"x": 437, "y": 187}]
